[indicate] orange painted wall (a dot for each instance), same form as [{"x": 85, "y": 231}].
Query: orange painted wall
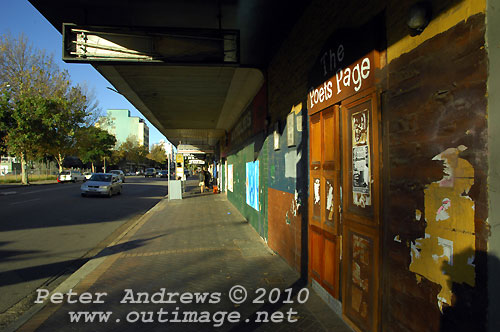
[{"x": 284, "y": 226}]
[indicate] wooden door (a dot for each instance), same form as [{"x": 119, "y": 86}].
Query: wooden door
[
  {"x": 361, "y": 211},
  {"x": 324, "y": 200}
]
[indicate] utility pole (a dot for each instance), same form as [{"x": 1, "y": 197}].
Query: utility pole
[{"x": 168, "y": 184}]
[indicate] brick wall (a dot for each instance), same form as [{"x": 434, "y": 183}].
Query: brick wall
[
  {"x": 432, "y": 99},
  {"x": 436, "y": 101}
]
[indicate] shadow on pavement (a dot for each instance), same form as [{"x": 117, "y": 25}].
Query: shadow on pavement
[{"x": 61, "y": 268}]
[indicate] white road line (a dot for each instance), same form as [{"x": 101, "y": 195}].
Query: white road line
[
  {"x": 42, "y": 190},
  {"x": 29, "y": 200},
  {"x": 5, "y": 193}
]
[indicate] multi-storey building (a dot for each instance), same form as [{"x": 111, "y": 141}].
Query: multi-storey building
[
  {"x": 122, "y": 125},
  {"x": 168, "y": 147}
]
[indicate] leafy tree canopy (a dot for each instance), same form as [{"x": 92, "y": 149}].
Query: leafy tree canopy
[{"x": 158, "y": 154}]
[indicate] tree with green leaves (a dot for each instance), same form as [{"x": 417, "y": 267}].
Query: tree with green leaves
[
  {"x": 93, "y": 144},
  {"x": 132, "y": 151},
  {"x": 66, "y": 120},
  {"x": 28, "y": 124},
  {"x": 158, "y": 154},
  {"x": 40, "y": 110}
]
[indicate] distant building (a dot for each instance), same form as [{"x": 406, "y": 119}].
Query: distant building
[
  {"x": 122, "y": 125},
  {"x": 9, "y": 165},
  {"x": 169, "y": 149}
]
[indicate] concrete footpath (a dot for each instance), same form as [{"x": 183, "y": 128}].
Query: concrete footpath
[{"x": 186, "y": 265}]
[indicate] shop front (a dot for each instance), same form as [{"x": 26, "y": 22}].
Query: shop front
[{"x": 344, "y": 223}]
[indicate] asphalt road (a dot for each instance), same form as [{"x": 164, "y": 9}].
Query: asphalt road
[{"x": 46, "y": 230}]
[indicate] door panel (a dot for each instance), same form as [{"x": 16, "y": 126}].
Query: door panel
[
  {"x": 360, "y": 206},
  {"x": 316, "y": 251},
  {"x": 331, "y": 266},
  {"x": 324, "y": 200},
  {"x": 361, "y": 160},
  {"x": 361, "y": 265}
]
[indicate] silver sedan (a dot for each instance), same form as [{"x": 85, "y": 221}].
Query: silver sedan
[{"x": 104, "y": 184}]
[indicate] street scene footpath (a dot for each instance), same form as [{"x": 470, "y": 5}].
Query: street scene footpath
[{"x": 187, "y": 265}]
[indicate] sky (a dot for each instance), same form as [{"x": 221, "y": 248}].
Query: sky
[{"x": 19, "y": 16}]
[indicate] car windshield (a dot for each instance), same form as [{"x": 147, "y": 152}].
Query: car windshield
[
  {"x": 64, "y": 172},
  {"x": 101, "y": 177},
  {"x": 115, "y": 172}
]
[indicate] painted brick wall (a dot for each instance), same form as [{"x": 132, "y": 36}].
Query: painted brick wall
[
  {"x": 287, "y": 167},
  {"x": 433, "y": 97},
  {"x": 255, "y": 150},
  {"x": 435, "y": 118}
]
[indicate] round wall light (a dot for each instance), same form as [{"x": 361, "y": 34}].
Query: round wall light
[{"x": 419, "y": 17}]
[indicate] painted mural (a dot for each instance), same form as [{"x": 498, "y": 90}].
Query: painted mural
[{"x": 252, "y": 184}]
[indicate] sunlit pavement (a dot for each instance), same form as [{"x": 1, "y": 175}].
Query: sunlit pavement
[{"x": 200, "y": 244}]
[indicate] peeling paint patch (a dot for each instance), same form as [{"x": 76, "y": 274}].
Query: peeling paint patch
[
  {"x": 418, "y": 214},
  {"x": 441, "y": 212},
  {"x": 295, "y": 203},
  {"x": 296, "y": 109},
  {"x": 442, "y": 255}
]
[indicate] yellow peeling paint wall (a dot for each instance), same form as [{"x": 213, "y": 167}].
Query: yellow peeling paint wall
[
  {"x": 441, "y": 256},
  {"x": 444, "y": 21},
  {"x": 435, "y": 208}
]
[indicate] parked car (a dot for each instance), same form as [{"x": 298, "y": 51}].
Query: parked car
[
  {"x": 163, "y": 174},
  {"x": 119, "y": 173},
  {"x": 87, "y": 175},
  {"x": 70, "y": 176},
  {"x": 150, "y": 172},
  {"x": 140, "y": 172},
  {"x": 105, "y": 184}
]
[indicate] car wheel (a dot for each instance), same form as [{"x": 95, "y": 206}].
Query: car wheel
[
  {"x": 84, "y": 195},
  {"x": 110, "y": 193}
]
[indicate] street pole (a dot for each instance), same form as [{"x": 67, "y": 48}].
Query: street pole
[{"x": 168, "y": 177}]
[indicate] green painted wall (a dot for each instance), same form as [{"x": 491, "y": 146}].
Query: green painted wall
[{"x": 251, "y": 152}]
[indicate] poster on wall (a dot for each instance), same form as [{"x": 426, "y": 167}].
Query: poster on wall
[
  {"x": 361, "y": 268},
  {"x": 230, "y": 177},
  {"x": 252, "y": 184},
  {"x": 225, "y": 177},
  {"x": 290, "y": 129},
  {"x": 361, "y": 174},
  {"x": 276, "y": 136}
]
